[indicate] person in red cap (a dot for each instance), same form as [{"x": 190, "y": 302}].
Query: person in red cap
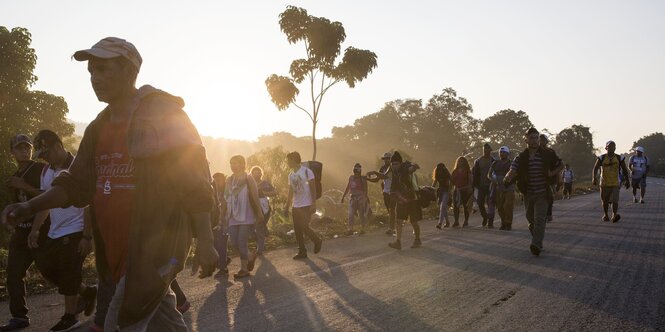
[
  {"x": 23, "y": 185},
  {"x": 142, "y": 168}
]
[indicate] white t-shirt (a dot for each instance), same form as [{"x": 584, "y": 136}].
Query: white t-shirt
[
  {"x": 639, "y": 166},
  {"x": 299, "y": 182},
  {"x": 63, "y": 221}
]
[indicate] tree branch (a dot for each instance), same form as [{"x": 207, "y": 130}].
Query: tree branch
[{"x": 304, "y": 110}]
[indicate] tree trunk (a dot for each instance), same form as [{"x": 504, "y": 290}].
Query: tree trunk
[{"x": 314, "y": 139}]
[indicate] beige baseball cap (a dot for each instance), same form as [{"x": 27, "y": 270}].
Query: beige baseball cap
[{"x": 111, "y": 47}]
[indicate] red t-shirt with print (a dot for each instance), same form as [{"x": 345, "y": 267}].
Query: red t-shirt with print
[{"x": 114, "y": 194}]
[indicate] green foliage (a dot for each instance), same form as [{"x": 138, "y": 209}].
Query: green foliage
[
  {"x": 320, "y": 70},
  {"x": 506, "y": 127},
  {"x": 23, "y": 110},
  {"x": 275, "y": 169},
  {"x": 575, "y": 146}
]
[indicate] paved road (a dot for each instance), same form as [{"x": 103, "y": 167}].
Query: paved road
[{"x": 592, "y": 276}]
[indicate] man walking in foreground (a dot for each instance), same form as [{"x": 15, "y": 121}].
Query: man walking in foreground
[
  {"x": 302, "y": 199},
  {"x": 142, "y": 167},
  {"x": 531, "y": 169},
  {"x": 610, "y": 166},
  {"x": 639, "y": 167}
]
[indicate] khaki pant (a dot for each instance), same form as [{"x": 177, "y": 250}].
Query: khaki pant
[
  {"x": 536, "y": 214},
  {"x": 165, "y": 318},
  {"x": 505, "y": 203}
]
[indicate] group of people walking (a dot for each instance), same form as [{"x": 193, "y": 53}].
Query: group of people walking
[{"x": 140, "y": 189}]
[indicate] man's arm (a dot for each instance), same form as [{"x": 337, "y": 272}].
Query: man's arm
[
  {"x": 289, "y": 201},
  {"x": 206, "y": 256},
  {"x": 622, "y": 163},
  {"x": 15, "y": 213},
  {"x": 596, "y": 167},
  {"x": 37, "y": 223},
  {"x": 85, "y": 246},
  {"x": 312, "y": 191},
  {"x": 20, "y": 184},
  {"x": 346, "y": 191}
]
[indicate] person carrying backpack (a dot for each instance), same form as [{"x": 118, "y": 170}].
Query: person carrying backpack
[
  {"x": 357, "y": 185},
  {"x": 610, "y": 166},
  {"x": 403, "y": 190},
  {"x": 505, "y": 195},
  {"x": 302, "y": 201},
  {"x": 639, "y": 167}
]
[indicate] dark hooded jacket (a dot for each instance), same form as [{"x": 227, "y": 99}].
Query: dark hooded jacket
[{"x": 172, "y": 182}]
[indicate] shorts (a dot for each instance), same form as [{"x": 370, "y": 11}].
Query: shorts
[
  {"x": 388, "y": 202},
  {"x": 568, "y": 187},
  {"x": 409, "y": 210},
  {"x": 60, "y": 263},
  {"x": 609, "y": 194},
  {"x": 640, "y": 183}
]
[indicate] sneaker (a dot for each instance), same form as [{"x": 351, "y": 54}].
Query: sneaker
[
  {"x": 300, "y": 255},
  {"x": 466, "y": 223},
  {"x": 86, "y": 302},
  {"x": 616, "y": 218},
  {"x": 446, "y": 225},
  {"x": 456, "y": 224},
  {"x": 484, "y": 222},
  {"x": 317, "y": 246},
  {"x": 66, "y": 323},
  {"x": 509, "y": 227},
  {"x": 606, "y": 218},
  {"x": 634, "y": 199},
  {"x": 641, "y": 201},
  {"x": 534, "y": 250},
  {"x": 395, "y": 245},
  {"x": 184, "y": 307},
  {"x": 15, "y": 324},
  {"x": 241, "y": 274},
  {"x": 438, "y": 225},
  {"x": 549, "y": 218},
  {"x": 416, "y": 243}
]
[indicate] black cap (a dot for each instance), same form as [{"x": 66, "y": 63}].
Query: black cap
[
  {"x": 44, "y": 140},
  {"x": 18, "y": 140},
  {"x": 396, "y": 157}
]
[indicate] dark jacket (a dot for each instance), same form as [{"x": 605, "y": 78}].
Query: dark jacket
[
  {"x": 550, "y": 162},
  {"x": 172, "y": 182}
]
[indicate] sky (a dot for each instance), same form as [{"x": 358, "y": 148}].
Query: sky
[{"x": 596, "y": 63}]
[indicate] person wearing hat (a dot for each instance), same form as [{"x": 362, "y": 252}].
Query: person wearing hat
[
  {"x": 504, "y": 195},
  {"x": 357, "y": 186},
  {"x": 481, "y": 183},
  {"x": 639, "y": 167},
  {"x": 69, "y": 238},
  {"x": 531, "y": 169},
  {"x": 142, "y": 167},
  {"x": 385, "y": 176},
  {"x": 403, "y": 190},
  {"x": 610, "y": 166},
  {"x": 22, "y": 185}
]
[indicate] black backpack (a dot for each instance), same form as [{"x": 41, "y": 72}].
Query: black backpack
[
  {"x": 316, "y": 168},
  {"x": 426, "y": 195}
]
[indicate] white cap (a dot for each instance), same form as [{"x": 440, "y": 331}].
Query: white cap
[
  {"x": 640, "y": 149},
  {"x": 504, "y": 149}
]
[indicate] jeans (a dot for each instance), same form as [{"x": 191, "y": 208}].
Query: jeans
[
  {"x": 443, "y": 206},
  {"x": 165, "y": 317},
  {"x": 359, "y": 205},
  {"x": 105, "y": 291},
  {"x": 484, "y": 197},
  {"x": 221, "y": 243},
  {"x": 240, "y": 239},
  {"x": 536, "y": 214},
  {"x": 301, "y": 218},
  {"x": 19, "y": 259},
  {"x": 505, "y": 203}
]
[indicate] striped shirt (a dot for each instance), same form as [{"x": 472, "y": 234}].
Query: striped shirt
[{"x": 537, "y": 178}]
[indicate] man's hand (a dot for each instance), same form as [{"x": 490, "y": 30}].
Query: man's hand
[
  {"x": 17, "y": 183},
  {"x": 313, "y": 208},
  {"x": 627, "y": 184},
  {"x": 33, "y": 239},
  {"x": 285, "y": 212},
  {"x": 13, "y": 214},
  {"x": 85, "y": 247},
  {"x": 206, "y": 258}
]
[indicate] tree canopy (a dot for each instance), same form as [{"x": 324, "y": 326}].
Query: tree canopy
[{"x": 320, "y": 69}]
